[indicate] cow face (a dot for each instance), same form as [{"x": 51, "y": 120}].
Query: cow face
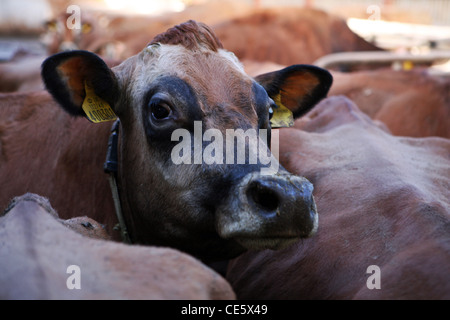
[
  {"x": 182, "y": 182},
  {"x": 59, "y": 37}
]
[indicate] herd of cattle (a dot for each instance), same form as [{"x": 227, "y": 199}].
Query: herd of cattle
[{"x": 364, "y": 176}]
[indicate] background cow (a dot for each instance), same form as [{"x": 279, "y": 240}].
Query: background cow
[
  {"x": 413, "y": 103},
  {"x": 410, "y": 103},
  {"x": 383, "y": 201},
  {"x": 40, "y": 254},
  {"x": 289, "y": 36},
  {"x": 118, "y": 36},
  {"x": 297, "y": 35},
  {"x": 21, "y": 74},
  {"x": 286, "y": 35}
]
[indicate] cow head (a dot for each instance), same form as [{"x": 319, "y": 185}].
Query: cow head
[
  {"x": 184, "y": 83},
  {"x": 73, "y": 31},
  {"x": 59, "y": 37}
]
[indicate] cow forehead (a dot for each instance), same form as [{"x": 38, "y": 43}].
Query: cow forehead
[
  {"x": 171, "y": 54},
  {"x": 217, "y": 76}
]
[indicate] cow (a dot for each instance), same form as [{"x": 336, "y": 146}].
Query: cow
[
  {"x": 384, "y": 206},
  {"x": 411, "y": 103},
  {"x": 43, "y": 258},
  {"x": 289, "y": 35},
  {"x": 21, "y": 74},
  {"x": 92, "y": 34},
  {"x": 118, "y": 36},
  {"x": 183, "y": 80}
]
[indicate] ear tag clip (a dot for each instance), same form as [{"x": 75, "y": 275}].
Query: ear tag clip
[
  {"x": 282, "y": 116},
  {"x": 97, "y": 110}
]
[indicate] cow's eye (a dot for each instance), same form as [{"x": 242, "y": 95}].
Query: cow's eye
[{"x": 160, "y": 110}]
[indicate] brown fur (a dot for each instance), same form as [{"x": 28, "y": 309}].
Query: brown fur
[
  {"x": 21, "y": 74},
  {"x": 382, "y": 200},
  {"x": 82, "y": 225},
  {"x": 36, "y": 136},
  {"x": 120, "y": 36},
  {"x": 410, "y": 103},
  {"x": 190, "y": 35},
  {"x": 282, "y": 35},
  {"x": 37, "y": 249},
  {"x": 74, "y": 71},
  {"x": 289, "y": 36}
]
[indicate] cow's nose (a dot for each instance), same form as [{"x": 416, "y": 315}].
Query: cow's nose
[
  {"x": 269, "y": 211},
  {"x": 272, "y": 195},
  {"x": 265, "y": 196}
]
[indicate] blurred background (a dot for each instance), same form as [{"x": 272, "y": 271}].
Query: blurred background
[{"x": 346, "y": 35}]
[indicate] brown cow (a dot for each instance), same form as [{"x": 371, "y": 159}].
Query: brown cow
[
  {"x": 82, "y": 225},
  {"x": 42, "y": 259},
  {"x": 283, "y": 35},
  {"x": 212, "y": 210},
  {"x": 410, "y": 103},
  {"x": 21, "y": 74},
  {"x": 384, "y": 206},
  {"x": 289, "y": 35},
  {"x": 118, "y": 36},
  {"x": 37, "y": 138},
  {"x": 60, "y": 35}
]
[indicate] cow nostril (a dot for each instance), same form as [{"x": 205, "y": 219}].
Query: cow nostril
[{"x": 263, "y": 196}]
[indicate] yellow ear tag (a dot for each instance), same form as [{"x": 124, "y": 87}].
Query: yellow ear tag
[
  {"x": 408, "y": 65},
  {"x": 282, "y": 116},
  {"x": 96, "y": 109}
]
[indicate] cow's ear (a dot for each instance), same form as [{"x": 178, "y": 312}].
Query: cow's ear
[
  {"x": 297, "y": 88},
  {"x": 79, "y": 80}
]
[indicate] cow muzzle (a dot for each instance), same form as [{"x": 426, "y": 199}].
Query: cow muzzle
[{"x": 268, "y": 211}]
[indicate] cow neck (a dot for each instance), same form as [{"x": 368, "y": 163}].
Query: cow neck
[{"x": 111, "y": 168}]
